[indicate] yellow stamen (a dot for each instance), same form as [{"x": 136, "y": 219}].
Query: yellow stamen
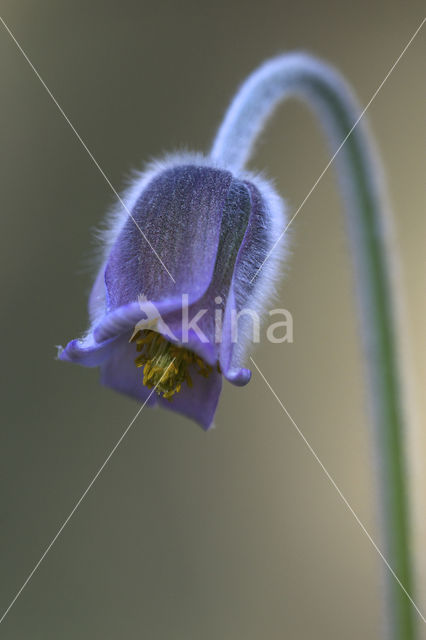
[{"x": 165, "y": 364}]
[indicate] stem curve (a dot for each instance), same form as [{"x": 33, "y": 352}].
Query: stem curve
[{"x": 368, "y": 220}]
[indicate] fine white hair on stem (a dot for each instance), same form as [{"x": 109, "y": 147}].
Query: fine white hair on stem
[{"x": 324, "y": 90}]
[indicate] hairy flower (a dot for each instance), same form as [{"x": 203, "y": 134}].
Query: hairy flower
[{"x": 196, "y": 235}]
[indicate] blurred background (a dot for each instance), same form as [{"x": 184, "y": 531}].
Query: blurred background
[{"x": 236, "y": 533}]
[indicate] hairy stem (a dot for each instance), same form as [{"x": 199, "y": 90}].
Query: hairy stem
[{"x": 323, "y": 89}]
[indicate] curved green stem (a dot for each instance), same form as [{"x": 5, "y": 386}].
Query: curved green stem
[{"x": 326, "y": 92}]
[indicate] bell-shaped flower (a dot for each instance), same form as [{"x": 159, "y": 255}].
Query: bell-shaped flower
[{"x": 172, "y": 305}]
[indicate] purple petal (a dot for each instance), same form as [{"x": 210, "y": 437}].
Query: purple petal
[
  {"x": 235, "y": 218},
  {"x": 180, "y": 213},
  {"x": 119, "y": 372},
  {"x": 235, "y": 374},
  {"x": 126, "y": 317},
  {"x": 87, "y": 352},
  {"x": 198, "y": 403},
  {"x": 264, "y": 226}
]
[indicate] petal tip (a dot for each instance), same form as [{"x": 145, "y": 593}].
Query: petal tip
[{"x": 238, "y": 377}]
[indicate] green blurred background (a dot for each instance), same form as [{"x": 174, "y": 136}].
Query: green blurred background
[{"x": 236, "y": 533}]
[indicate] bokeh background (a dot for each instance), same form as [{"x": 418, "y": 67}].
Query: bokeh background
[{"x": 236, "y": 533}]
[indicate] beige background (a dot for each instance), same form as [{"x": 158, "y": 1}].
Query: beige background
[{"x": 237, "y": 533}]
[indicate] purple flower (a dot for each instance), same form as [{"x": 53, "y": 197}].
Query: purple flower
[{"x": 196, "y": 236}]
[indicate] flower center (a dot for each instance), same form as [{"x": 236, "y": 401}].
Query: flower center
[{"x": 165, "y": 364}]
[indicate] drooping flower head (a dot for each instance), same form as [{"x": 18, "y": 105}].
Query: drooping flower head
[{"x": 167, "y": 308}]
